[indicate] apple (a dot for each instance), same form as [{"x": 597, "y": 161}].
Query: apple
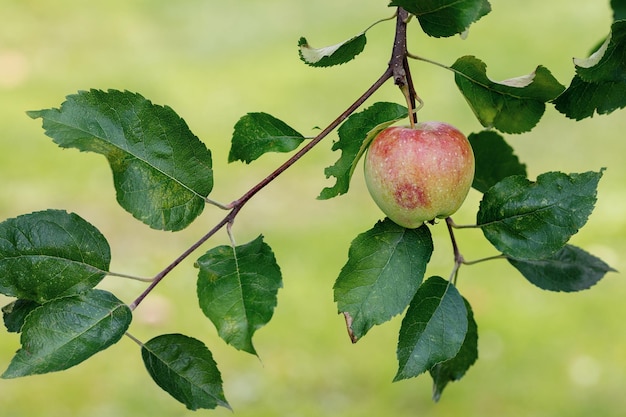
[{"x": 416, "y": 174}]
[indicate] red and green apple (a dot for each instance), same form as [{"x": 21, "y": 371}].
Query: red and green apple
[{"x": 416, "y": 174}]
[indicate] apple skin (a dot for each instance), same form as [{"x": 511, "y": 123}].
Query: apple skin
[{"x": 419, "y": 174}]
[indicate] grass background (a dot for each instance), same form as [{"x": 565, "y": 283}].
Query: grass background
[{"x": 541, "y": 354}]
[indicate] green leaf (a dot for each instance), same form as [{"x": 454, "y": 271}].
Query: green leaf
[
  {"x": 64, "y": 332},
  {"x": 161, "y": 171},
  {"x": 258, "y": 133},
  {"x": 184, "y": 367},
  {"x": 433, "y": 330},
  {"x": 442, "y": 18},
  {"x": 355, "y": 134},
  {"x": 15, "y": 313},
  {"x": 50, "y": 254},
  {"x": 583, "y": 99},
  {"x": 511, "y": 106},
  {"x": 607, "y": 62},
  {"x": 569, "y": 269},
  {"x": 237, "y": 290},
  {"x": 494, "y": 160},
  {"x": 331, "y": 55},
  {"x": 600, "y": 81},
  {"x": 533, "y": 220},
  {"x": 619, "y": 9},
  {"x": 455, "y": 368},
  {"x": 385, "y": 267}
]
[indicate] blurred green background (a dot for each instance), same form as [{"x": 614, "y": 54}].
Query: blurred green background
[{"x": 541, "y": 354}]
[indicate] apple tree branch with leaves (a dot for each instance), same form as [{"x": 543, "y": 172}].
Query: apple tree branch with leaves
[{"x": 418, "y": 173}]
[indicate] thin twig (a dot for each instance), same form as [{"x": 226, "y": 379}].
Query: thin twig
[
  {"x": 237, "y": 204},
  {"x": 159, "y": 277},
  {"x": 458, "y": 257}
]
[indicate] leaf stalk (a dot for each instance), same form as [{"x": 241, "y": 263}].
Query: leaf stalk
[{"x": 458, "y": 257}]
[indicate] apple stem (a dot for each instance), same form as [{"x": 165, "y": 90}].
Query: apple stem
[{"x": 409, "y": 103}]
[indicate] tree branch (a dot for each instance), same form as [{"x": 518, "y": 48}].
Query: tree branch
[
  {"x": 399, "y": 64},
  {"x": 397, "y": 69},
  {"x": 238, "y": 204}
]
